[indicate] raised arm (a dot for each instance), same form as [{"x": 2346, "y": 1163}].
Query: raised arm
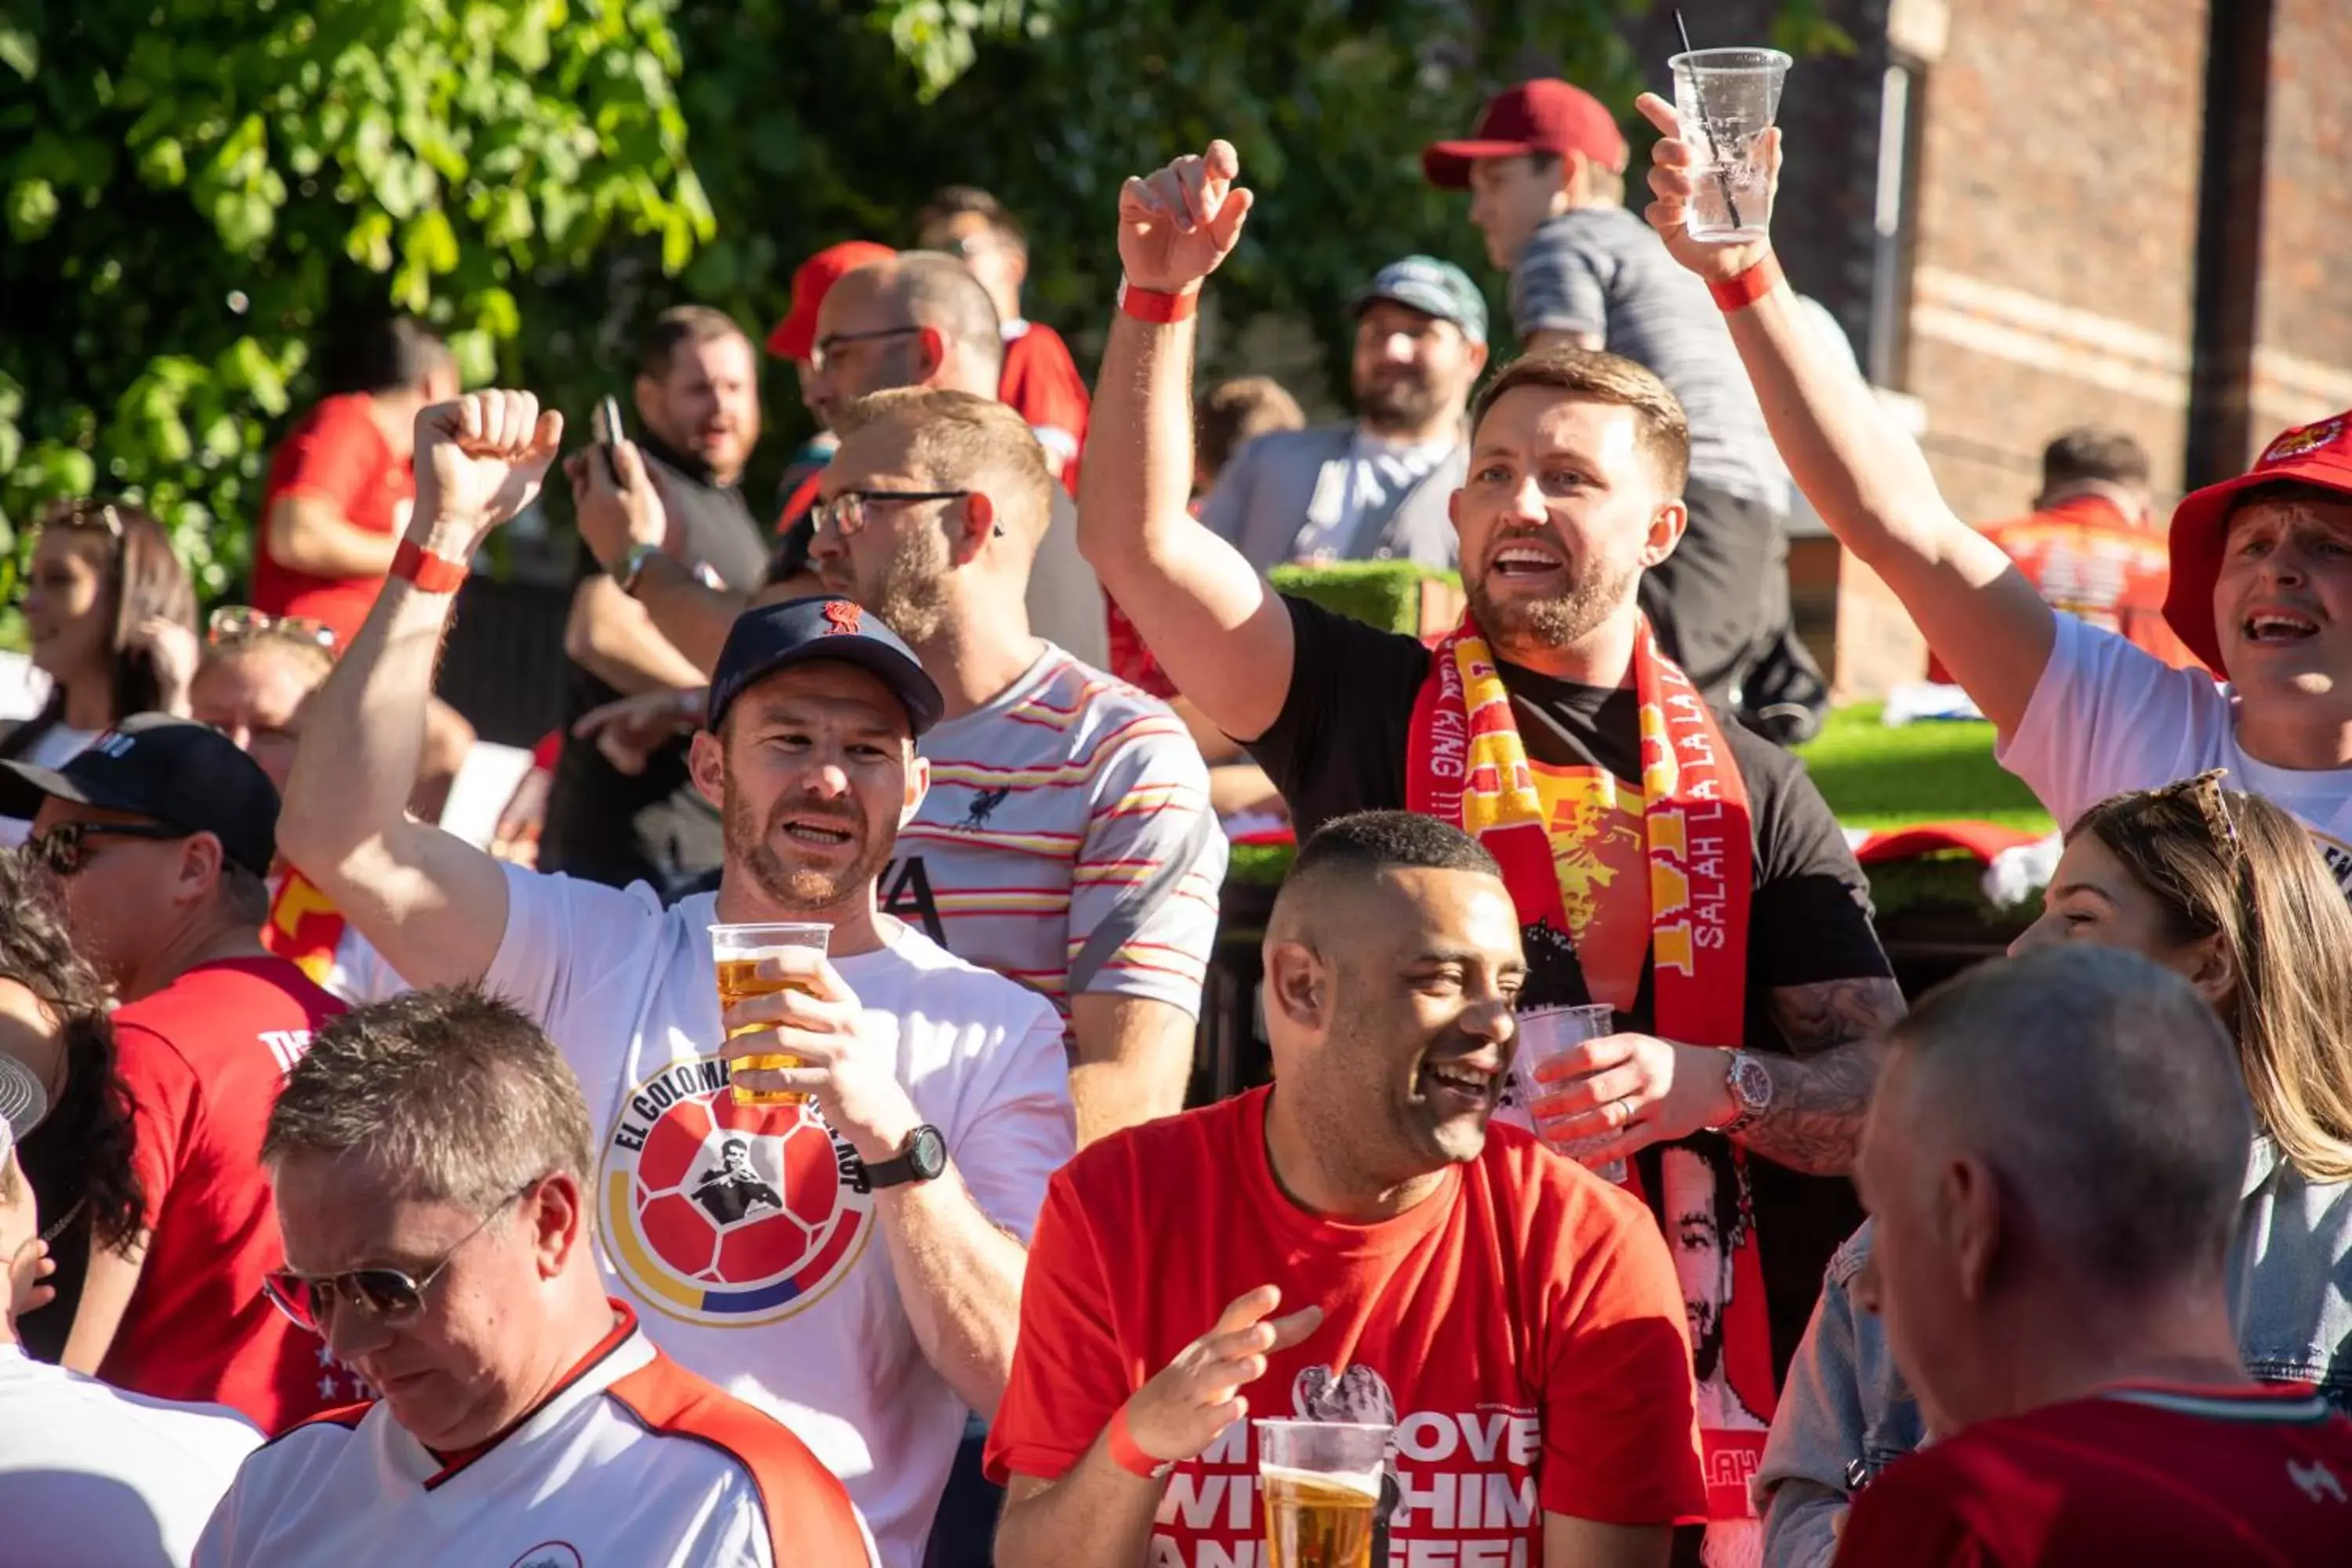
[
  {"x": 667, "y": 605},
  {"x": 1863, "y": 473},
  {"x": 433, "y": 904},
  {"x": 1220, "y": 632}
]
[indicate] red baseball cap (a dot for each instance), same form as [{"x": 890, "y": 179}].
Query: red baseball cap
[
  {"x": 2317, "y": 454},
  {"x": 795, "y": 336},
  {"x": 1542, "y": 116}
]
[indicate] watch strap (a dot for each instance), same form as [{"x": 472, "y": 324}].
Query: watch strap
[
  {"x": 1157, "y": 306},
  {"x": 1129, "y": 1455},
  {"x": 630, "y": 569},
  {"x": 1747, "y": 1108},
  {"x": 902, "y": 1168},
  {"x": 432, "y": 573}
]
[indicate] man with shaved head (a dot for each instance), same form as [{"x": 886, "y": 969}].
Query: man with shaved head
[{"x": 2054, "y": 1159}]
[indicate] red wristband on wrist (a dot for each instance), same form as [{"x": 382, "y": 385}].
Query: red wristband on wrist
[
  {"x": 1738, "y": 293},
  {"x": 1158, "y": 307},
  {"x": 431, "y": 574},
  {"x": 1128, "y": 1456}
]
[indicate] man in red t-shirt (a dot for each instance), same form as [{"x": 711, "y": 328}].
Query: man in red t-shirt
[
  {"x": 1040, "y": 381},
  {"x": 1512, "y": 1315},
  {"x": 162, "y": 835},
  {"x": 2055, "y": 1157}
]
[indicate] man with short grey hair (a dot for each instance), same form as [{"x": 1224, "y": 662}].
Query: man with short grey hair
[
  {"x": 2053, "y": 1160},
  {"x": 432, "y": 1160}
]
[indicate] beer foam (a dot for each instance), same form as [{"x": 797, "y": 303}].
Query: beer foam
[{"x": 1364, "y": 1484}]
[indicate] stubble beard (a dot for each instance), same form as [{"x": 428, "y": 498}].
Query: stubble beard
[{"x": 802, "y": 890}]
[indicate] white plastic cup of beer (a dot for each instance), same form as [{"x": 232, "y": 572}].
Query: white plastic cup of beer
[
  {"x": 1318, "y": 1483},
  {"x": 1726, "y": 100},
  {"x": 736, "y": 951},
  {"x": 1545, "y": 1035}
]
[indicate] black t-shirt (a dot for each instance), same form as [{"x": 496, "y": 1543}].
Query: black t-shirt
[
  {"x": 1341, "y": 745},
  {"x": 602, "y": 824}
]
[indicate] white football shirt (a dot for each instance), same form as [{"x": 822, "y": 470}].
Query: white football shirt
[
  {"x": 631, "y": 1461},
  {"x": 749, "y": 1231}
]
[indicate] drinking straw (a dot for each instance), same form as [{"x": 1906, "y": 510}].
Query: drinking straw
[{"x": 1714, "y": 154}]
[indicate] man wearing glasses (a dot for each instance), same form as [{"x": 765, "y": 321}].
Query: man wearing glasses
[
  {"x": 433, "y": 1159},
  {"x": 161, "y": 837}
]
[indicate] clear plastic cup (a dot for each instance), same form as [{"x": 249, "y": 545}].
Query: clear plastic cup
[
  {"x": 736, "y": 951},
  {"x": 1318, "y": 1483},
  {"x": 1546, "y": 1033},
  {"x": 1726, "y": 100}
]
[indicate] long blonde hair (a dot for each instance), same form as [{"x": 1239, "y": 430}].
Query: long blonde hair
[{"x": 2234, "y": 867}]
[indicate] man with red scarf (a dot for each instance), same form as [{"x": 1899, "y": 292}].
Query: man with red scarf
[{"x": 1662, "y": 861}]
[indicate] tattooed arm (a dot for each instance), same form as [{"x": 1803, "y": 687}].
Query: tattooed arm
[{"x": 1820, "y": 1094}]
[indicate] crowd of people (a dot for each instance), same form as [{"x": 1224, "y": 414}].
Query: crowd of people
[{"x": 368, "y": 1194}]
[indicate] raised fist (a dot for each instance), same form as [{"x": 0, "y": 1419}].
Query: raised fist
[
  {"x": 479, "y": 460},
  {"x": 1176, "y": 226}
]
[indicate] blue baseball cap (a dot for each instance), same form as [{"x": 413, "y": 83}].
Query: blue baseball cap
[
  {"x": 802, "y": 631},
  {"x": 1434, "y": 288}
]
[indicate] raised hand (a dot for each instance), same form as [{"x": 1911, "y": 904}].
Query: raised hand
[
  {"x": 1180, "y": 1412},
  {"x": 630, "y": 730},
  {"x": 1672, "y": 183},
  {"x": 615, "y": 516},
  {"x": 479, "y": 460},
  {"x": 1176, "y": 227}
]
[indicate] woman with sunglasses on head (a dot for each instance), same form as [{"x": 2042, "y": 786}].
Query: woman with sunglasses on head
[
  {"x": 113, "y": 622},
  {"x": 2229, "y": 891}
]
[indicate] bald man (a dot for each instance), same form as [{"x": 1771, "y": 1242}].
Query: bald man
[{"x": 2054, "y": 1159}]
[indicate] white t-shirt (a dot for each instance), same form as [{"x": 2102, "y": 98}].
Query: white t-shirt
[
  {"x": 100, "y": 1479},
  {"x": 55, "y": 747},
  {"x": 2107, "y": 717},
  {"x": 747, "y": 1229},
  {"x": 629, "y": 1462}
]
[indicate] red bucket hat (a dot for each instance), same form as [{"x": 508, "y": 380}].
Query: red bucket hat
[
  {"x": 2317, "y": 454},
  {"x": 795, "y": 336},
  {"x": 1542, "y": 116}
]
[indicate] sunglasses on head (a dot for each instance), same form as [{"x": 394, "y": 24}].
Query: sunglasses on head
[
  {"x": 389, "y": 1298},
  {"x": 65, "y": 848},
  {"x": 233, "y": 626}
]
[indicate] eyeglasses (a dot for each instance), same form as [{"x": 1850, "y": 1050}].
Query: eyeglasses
[
  {"x": 65, "y": 848},
  {"x": 233, "y": 626},
  {"x": 826, "y": 347},
  {"x": 386, "y": 1297},
  {"x": 846, "y": 512}
]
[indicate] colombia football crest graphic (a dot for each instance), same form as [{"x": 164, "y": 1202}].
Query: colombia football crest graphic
[{"x": 728, "y": 1215}]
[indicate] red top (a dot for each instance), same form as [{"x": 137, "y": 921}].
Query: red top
[
  {"x": 1040, "y": 383},
  {"x": 2086, "y": 558},
  {"x": 1522, "y": 1327},
  {"x": 2152, "y": 1476},
  {"x": 337, "y": 455},
  {"x": 202, "y": 1060}
]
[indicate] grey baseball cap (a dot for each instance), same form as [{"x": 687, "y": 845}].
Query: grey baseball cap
[
  {"x": 22, "y": 1103},
  {"x": 1432, "y": 287}
]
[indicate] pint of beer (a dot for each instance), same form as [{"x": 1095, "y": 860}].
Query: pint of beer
[
  {"x": 1320, "y": 1485},
  {"x": 736, "y": 950}
]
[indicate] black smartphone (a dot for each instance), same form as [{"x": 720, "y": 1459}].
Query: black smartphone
[{"x": 605, "y": 426}]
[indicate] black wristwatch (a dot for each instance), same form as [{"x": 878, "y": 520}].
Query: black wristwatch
[{"x": 923, "y": 1157}]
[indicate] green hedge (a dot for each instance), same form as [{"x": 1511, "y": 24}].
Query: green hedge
[{"x": 1386, "y": 594}]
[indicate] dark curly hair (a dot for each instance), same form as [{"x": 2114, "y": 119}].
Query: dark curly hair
[{"x": 93, "y": 1115}]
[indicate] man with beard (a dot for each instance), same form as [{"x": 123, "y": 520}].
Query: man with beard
[
  {"x": 1514, "y": 1315},
  {"x": 1375, "y": 487},
  {"x": 938, "y": 1097},
  {"x": 1714, "y": 904},
  {"x": 698, "y": 394}
]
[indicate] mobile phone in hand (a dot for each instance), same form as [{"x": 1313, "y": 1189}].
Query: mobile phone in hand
[{"x": 605, "y": 426}]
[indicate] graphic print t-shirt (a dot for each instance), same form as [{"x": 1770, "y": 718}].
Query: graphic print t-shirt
[
  {"x": 202, "y": 1060},
  {"x": 1521, "y": 1328},
  {"x": 1340, "y": 745},
  {"x": 749, "y": 1231}
]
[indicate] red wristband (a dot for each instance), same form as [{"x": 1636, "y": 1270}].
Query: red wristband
[
  {"x": 1157, "y": 306},
  {"x": 431, "y": 574},
  {"x": 1128, "y": 1456},
  {"x": 1738, "y": 293}
]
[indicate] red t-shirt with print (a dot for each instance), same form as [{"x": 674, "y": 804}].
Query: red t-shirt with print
[
  {"x": 1522, "y": 1328},
  {"x": 336, "y": 455},
  {"x": 2154, "y": 1477},
  {"x": 202, "y": 1060}
]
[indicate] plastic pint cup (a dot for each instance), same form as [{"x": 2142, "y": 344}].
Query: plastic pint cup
[
  {"x": 1546, "y": 1033},
  {"x": 736, "y": 950},
  {"x": 1726, "y": 100},
  {"x": 1318, "y": 1483}
]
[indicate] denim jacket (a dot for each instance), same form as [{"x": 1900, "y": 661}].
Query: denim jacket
[{"x": 1844, "y": 1412}]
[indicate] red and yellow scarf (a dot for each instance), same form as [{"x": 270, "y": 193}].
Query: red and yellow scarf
[
  {"x": 1466, "y": 763},
  {"x": 304, "y": 927}
]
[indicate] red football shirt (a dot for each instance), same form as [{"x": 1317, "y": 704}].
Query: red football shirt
[
  {"x": 2152, "y": 1476},
  {"x": 1522, "y": 1328},
  {"x": 2086, "y": 558},
  {"x": 202, "y": 1060},
  {"x": 337, "y": 455},
  {"x": 1040, "y": 381}
]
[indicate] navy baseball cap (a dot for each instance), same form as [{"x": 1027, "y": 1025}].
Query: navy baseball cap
[
  {"x": 1434, "y": 288},
  {"x": 172, "y": 770},
  {"x": 802, "y": 631}
]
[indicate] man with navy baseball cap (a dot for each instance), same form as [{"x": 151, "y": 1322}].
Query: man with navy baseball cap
[{"x": 850, "y": 1261}]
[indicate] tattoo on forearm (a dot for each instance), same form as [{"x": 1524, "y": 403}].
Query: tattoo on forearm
[{"x": 1821, "y": 1094}]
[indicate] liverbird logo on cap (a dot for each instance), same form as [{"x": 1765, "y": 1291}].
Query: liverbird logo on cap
[
  {"x": 2306, "y": 438},
  {"x": 842, "y": 618}
]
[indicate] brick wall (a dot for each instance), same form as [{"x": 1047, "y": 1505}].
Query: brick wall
[{"x": 2303, "y": 358}]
